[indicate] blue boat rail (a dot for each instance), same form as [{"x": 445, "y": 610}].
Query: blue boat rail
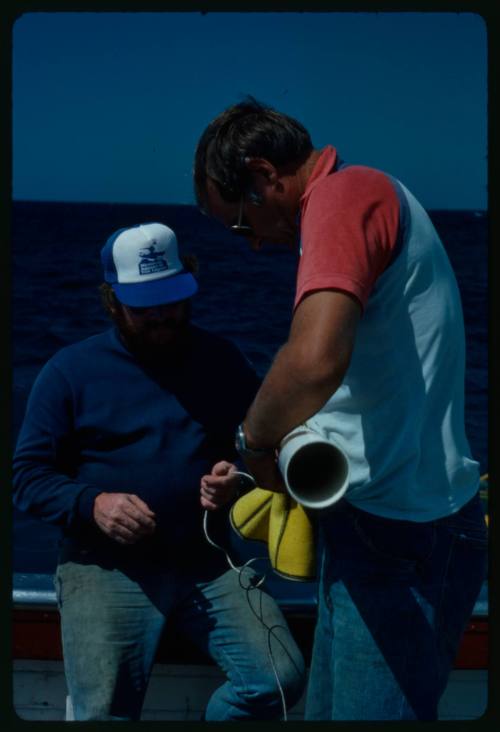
[{"x": 36, "y": 592}]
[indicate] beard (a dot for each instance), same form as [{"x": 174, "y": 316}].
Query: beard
[{"x": 155, "y": 339}]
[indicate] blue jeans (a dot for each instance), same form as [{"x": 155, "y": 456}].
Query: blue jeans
[
  {"x": 111, "y": 623},
  {"x": 394, "y": 599}
]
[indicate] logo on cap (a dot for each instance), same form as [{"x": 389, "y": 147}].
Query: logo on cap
[{"x": 151, "y": 260}]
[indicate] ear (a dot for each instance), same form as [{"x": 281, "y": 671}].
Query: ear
[{"x": 262, "y": 168}]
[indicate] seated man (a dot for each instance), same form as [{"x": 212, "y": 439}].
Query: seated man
[{"x": 119, "y": 430}]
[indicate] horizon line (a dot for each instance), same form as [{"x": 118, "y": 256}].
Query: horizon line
[{"x": 194, "y": 205}]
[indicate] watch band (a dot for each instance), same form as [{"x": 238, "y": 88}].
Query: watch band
[{"x": 243, "y": 449}]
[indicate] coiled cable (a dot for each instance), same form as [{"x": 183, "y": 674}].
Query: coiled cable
[{"x": 253, "y": 584}]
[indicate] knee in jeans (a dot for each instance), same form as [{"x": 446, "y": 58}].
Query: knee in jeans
[{"x": 265, "y": 692}]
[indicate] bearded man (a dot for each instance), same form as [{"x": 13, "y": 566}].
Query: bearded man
[{"x": 120, "y": 430}]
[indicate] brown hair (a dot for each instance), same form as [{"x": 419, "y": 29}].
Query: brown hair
[{"x": 248, "y": 129}]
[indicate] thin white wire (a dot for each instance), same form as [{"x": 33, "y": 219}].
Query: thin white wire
[
  {"x": 270, "y": 633},
  {"x": 246, "y": 475},
  {"x": 252, "y": 586}
]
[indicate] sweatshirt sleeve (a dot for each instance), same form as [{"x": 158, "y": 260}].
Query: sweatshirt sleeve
[{"x": 45, "y": 459}]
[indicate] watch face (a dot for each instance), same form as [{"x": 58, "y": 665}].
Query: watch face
[{"x": 240, "y": 440}]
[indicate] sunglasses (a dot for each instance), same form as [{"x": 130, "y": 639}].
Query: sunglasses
[{"x": 241, "y": 229}]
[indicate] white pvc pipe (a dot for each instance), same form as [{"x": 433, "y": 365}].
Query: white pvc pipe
[{"x": 315, "y": 470}]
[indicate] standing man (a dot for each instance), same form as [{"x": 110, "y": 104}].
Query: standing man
[
  {"x": 375, "y": 360},
  {"x": 118, "y": 434}
]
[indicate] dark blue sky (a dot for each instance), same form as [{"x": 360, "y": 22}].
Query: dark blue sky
[{"x": 109, "y": 106}]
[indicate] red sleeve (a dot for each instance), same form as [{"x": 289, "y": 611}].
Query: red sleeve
[{"x": 349, "y": 228}]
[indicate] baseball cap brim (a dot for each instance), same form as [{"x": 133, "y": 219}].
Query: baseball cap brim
[{"x": 156, "y": 292}]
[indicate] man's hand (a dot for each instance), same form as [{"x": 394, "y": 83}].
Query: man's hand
[
  {"x": 123, "y": 517},
  {"x": 220, "y": 486}
]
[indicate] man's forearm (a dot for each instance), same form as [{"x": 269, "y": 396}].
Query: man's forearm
[
  {"x": 291, "y": 393},
  {"x": 307, "y": 370}
]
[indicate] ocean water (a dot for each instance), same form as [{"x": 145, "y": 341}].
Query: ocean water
[{"x": 243, "y": 295}]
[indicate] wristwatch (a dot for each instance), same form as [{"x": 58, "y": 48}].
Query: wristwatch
[{"x": 241, "y": 445}]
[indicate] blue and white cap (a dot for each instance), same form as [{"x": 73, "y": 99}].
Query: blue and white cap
[{"x": 142, "y": 264}]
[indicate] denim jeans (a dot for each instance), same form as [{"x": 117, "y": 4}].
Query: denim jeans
[
  {"x": 112, "y": 620},
  {"x": 394, "y": 599}
]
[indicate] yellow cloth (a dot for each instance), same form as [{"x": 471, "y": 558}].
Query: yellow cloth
[{"x": 282, "y": 523}]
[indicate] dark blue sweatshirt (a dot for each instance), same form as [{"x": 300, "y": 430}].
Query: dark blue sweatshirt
[{"x": 99, "y": 420}]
